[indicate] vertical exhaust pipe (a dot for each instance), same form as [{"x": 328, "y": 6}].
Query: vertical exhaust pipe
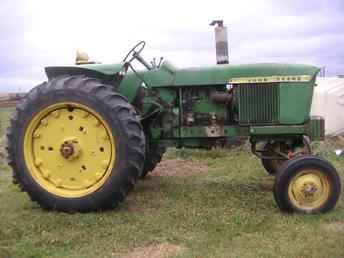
[{"x": 221, "y": 42}]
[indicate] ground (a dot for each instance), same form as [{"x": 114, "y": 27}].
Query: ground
[{"x": 195, "y": 204}]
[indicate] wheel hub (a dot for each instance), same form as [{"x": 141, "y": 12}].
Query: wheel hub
[
  {"x": 70, "y": 149},
  {"x": 309, "y": 189}
]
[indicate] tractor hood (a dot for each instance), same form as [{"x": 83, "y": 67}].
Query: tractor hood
[{"x": 223, "y": 74}]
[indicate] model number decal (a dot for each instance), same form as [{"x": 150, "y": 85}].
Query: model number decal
[{"x": 270, "y": 79}]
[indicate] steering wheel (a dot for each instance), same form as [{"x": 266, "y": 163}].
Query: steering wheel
[{"x": 134, "y": 52}]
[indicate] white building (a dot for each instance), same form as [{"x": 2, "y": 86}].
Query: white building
[{"x": 328, "y": 102}]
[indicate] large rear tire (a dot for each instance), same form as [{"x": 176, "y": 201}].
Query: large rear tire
[
  {"x": 154, "y": 154},
  {"x": 75, "y": 145}
]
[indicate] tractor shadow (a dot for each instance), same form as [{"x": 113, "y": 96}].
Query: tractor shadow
[{"x": 186, "y": 181}]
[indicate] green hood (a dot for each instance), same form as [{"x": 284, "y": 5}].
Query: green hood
[{"x": 222, "y": 74}]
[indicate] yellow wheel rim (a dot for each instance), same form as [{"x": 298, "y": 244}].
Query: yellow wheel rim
[
  {"x": 309, "y": 189},
  {"x": 69, "y": 149}
]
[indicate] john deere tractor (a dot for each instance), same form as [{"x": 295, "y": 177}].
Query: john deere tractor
[{"x": 80, "y": 141}]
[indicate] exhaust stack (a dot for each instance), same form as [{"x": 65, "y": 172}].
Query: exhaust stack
[{"x": 221, "y": 42}]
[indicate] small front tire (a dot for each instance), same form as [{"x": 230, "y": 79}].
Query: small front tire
[{"x": 307, "y": 184}]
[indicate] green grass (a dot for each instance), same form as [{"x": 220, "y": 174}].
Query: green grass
[
  {"x": 4, "y": 119},
  {"x": 221, "y": 213}
]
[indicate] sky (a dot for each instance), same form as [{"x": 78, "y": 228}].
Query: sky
[{"x": 39, "y": 33}]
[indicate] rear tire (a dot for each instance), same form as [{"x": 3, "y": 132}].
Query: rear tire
[
  {"x": 111, "y": 120},
  {"x": 154, "y": 154},
  {"x": 307, "y": 184}
]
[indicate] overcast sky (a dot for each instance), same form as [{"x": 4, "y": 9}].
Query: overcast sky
[{"x": 38, "y": 33}]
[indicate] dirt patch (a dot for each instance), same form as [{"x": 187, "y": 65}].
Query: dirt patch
[
  {"x": 336, "y": 227},
  {"x": 153, "y": 251},
  {"x": 179, "y": 168}
]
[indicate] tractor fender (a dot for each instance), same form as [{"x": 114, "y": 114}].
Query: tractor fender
[
  {"x": 112, "y": 79},
  {"x": 131, "y": 87}
]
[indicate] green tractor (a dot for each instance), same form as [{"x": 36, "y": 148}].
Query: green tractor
[{"x": 80, "y": 141}]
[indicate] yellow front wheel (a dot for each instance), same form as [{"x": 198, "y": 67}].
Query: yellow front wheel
[
  {"x": 307, "y": 184},
  {"x": 75, "y": 145}
]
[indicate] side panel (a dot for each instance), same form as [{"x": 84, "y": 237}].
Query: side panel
[
  {"x": 274, "y": 103},
  {"x": 159, "y": 77},
  {"x": 129, "y": 86},
  {"x": 295, "y": 102},
  {"x": 132, "y": 82}
]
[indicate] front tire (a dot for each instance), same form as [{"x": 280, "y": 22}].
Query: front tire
[
  {"x": 307, "y": 184},
  {"x": 75, "y": 145}
]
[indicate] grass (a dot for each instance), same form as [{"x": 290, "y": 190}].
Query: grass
[
  {"x": 4, "y": 119},
  {"x": 221, "y": 213}
]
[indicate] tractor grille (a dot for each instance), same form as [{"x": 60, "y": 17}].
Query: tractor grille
[{"x": 258, "y": 103}]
